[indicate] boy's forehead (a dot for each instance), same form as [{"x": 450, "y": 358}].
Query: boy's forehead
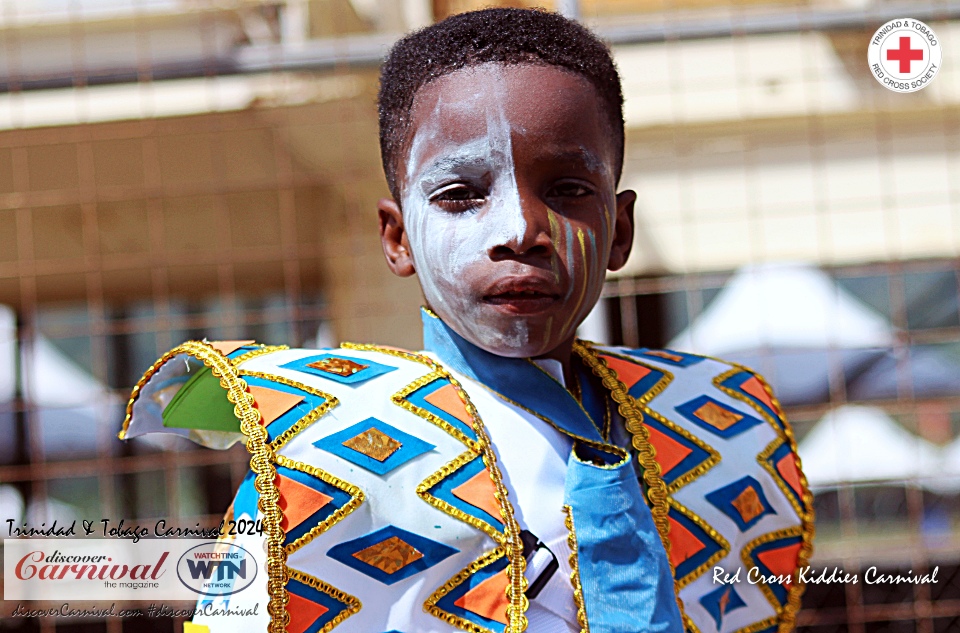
[{"x": 554, "y": 106}]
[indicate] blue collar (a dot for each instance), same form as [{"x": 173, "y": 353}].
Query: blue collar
[{"x": 514, "y": 379}]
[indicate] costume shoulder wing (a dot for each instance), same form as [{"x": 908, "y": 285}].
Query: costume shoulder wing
[{"x": 736, "y": 496}]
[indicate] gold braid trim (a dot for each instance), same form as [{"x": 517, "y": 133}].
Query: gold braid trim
[
  {"x": 430, "y": 606},
  {"x": 761, "y": 625},
  {"x": 646, "y": 454},
  {"x": 329, "y": 403},
  {"x": 516, "y": 618},
  {"x": 746, "y": 555},
  {"x": 423, "y": 491},
  {"x": 356, "y": 499},
  {"x": 575, "y": 570},
  {"x": 262, "y": 458},
  {"x": 260, "y": 351},
  {"x": 716, "y": 536},
  {"x": 400, "y": 399},
  {"x": 353, "y": 605}
]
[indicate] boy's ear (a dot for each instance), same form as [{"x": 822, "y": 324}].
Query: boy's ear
[
  {"x": 622, "y": 230},
  {"x": 393, "y": 238}
]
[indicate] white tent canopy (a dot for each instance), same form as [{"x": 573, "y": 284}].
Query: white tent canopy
[
  {"x": 74, "y": 410},
  {"x": 786, "y": 305},
  {"x": 863, "y": 444}
]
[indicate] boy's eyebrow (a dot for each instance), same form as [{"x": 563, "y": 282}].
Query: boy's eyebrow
[
  {"x": 447, "y": 163},
  {"x": 580, "y": 154},
  {"x": 458, "y": 162}
]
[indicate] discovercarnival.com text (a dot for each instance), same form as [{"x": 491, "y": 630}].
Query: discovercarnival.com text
[{"x": 153, "y": 611}]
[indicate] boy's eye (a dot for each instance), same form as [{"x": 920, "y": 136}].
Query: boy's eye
[
  {"x": 569, "y": 190},
  {"x": 458, "y": 198}
]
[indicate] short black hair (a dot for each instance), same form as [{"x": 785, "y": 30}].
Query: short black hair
[{"x": 510, "y": 36}]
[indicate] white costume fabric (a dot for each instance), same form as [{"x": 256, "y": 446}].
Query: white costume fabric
[{"x": 389, "y": 516}]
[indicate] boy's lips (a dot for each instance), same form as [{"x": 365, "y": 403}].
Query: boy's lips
[{"x": 522, "y": 295}]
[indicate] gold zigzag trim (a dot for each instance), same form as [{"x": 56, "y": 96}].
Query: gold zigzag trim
[
  {"x": 759, "y": 626},
  {"x": 746, "y": 555},
  {"x": 430, "y": 606},
  {"x": 736, "y": 395},
  {"x": 262, "y": 457},
  {"x": 762, "y": 458},
  {"x": 423, "y": 491},
  {"x": 400, "y": 399},
  {"x": 575, "y": 570},
  {"x": 356, "y": 499},
  {"x": 784, "y": 431},
  {"x": 318, "y": 412},
  {"x": 518, "y": 603},
  {"x": 653, "y": 391},
  {"x": 716, "y": 536},
  {"x": 353, "y": 604},
  {"x": 700, "y": 468}
]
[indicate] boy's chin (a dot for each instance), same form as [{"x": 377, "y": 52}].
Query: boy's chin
[{"x": 511, "y": 338}]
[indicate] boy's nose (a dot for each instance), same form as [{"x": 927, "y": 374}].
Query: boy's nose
[{"x": 532, "y": 237}]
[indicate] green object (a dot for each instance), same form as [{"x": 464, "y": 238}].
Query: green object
[{"x": 201, "y": 403}]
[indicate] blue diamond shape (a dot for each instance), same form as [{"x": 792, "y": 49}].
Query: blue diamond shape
[
  {"x": 433, "y": 553},
  {"x": 688, "y": 410},
  {"x": 410, "y": 446},
  {"x": 723, "y": 498},
  {"x": 713, "y": 602},
  {"x": 370, "y": 370}
]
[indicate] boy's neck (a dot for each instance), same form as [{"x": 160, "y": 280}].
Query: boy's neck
[{"x": 562, "y": 354}]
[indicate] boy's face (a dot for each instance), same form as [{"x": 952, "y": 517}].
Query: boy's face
[{"x": 510, "y": 215}]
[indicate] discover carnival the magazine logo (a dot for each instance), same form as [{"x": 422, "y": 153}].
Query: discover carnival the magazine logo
[
  {"x": 122, "y": 569},
  {"x": 904, "y": 55}
]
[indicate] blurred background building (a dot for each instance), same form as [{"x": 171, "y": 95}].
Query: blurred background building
[{"x": 174, "y": 169}]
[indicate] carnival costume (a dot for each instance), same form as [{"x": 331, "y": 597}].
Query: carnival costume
[{"x": 453, "y": 489}]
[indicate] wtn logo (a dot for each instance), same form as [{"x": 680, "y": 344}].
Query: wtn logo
[
  {"x": 217, "y": 569},
  {"x": 225, "y": 569}
]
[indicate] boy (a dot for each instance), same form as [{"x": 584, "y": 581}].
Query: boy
[{"x": 511, "y": 477}]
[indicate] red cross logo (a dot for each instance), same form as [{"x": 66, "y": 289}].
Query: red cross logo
[{"x": 905, "y": 54}]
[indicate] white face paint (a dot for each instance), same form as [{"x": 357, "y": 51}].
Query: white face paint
[
  {"x": 445, "y": 245},
  {"x": 465, "y": 219}
]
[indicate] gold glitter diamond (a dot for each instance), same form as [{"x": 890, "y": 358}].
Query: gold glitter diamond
[
  {"x": 338, "y": 366},
  {"x": 374, "y": 443},
  {"x": 716, "y": 416},
  {"x": 389, "y": 556},
  {"x": 748, "y": 504},
  {"x": 674, "y": 357}
]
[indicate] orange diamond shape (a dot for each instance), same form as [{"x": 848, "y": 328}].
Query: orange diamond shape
[
  {"x": 389, "y": 556},
  {"x": 338, "y": 366},
  {"x": 748, "y": 504},
  {"x": 374, "y": 443},
  {"x": 716, "y": 416}
]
